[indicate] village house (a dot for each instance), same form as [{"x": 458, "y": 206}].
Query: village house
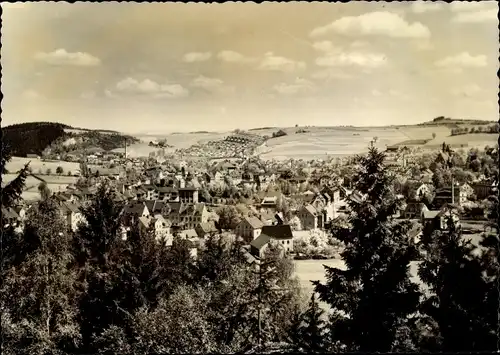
[
  {"x": 449, "y": 196},
  {"x": 160, "y": 227},
  {"x": 249, "y": 228},
  {"x": 414, "y": 210},
  {"x": 281, "y": 234},
  {"x": 205, "y": 229},
  {"x": 483, "y": 189},
  {"x": 269, "y": 202},
  {"x": 187, "y": 216},
  {"x": 439, "y": 219},
  {"x": 133, "y": 211},
  {"x": 309, "y": 217},
  {"x": 72, "y": 215}
]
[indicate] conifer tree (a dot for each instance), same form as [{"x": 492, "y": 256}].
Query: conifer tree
[
  {"x": 372, "y": 299},
  {"x": 461, "y": 301},
  {"x": 38, "y": 293},
  {"x": 97, "y": 250},
  {"x": 312, "y": 331}
]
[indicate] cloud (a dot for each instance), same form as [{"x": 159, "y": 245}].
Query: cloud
[
  {"x": 368, "y": 60},
  {"x": 323, "y": 46},
  {"x": 31, "y": 95},
  {"x": 193, "y": 57},
  {"x": 234, "y": 57},
  {"x": 375, "y": 23},
  {"x": 276, "y": 63},
  {"x": 330, "y": 73},
  {"x": 461, "y": 6},
  {"x": 462, "y": 60},
  {"x": 420, "y": 7},
  {"x": 147, "y": 87},
  {"x": 211, "y": 84},
  {"x": 62, "y": 57},
  {"x": 300, "y": 85},
  {"x": 87, "y": 95},
  {"x": 376, "y": 92},
  {"x": 467, "y": 90},
  {"x": 476, "y": 16}
]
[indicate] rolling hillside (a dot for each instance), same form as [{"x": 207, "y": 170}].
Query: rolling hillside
[{"x": 35, "y": 137}]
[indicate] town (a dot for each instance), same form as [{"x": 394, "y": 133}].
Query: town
[{"x": 293, "y": 202}]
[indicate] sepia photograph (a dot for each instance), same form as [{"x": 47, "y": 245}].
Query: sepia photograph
[{"x": 241, "y": 177}]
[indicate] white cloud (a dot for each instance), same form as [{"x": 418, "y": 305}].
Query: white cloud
[
  {"x": 148, "y": 87},
  {"x": 300, "y": 85},
  {"x": 376, "y": 92},
  {"x": 476, "y": 16},
  {"x": 211, "y": 84},
  {"x": 193, "y": 57},
  {"x": 323, "y": 46},
  {"x": 426, "y": 6},
  {"x": 31, "y": 95},
  {"x": 273, "y": 62},
  {"x": 374, "y": 23},
  {"x": 467, "y": 90},
  {"x": 329, "y": 74},
  {"x": 462, "y": 60},
  {"x": 368, "y": 60},
  {"x": 461, "y": 6},
  {"x": 87, "y": 95},
  {"x": 358, "y": 44},
  {"x": 62, "y": 57},
  {"x": 234, "y": 57}
]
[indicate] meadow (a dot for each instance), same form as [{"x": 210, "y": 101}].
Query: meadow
[{"x": 17, "y": 163}]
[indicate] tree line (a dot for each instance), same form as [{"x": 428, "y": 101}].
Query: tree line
[{"x": 95, "y": 291}]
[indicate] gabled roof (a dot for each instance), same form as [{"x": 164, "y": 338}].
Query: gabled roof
[
  {"x": 67, "y": 207},
  {"x": 430, "y": 214},
  {"x": 310, "y": 209},
  {"x": 207, "y": 227},
  {"x": 254, "y": 222},
  {"x": 260, "y": 241},
  {"x": 135, "y": 208},
  {"x": 282, "y": 231}
]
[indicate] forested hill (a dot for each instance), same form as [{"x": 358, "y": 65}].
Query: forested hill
[{"x": 35, "y": 137}]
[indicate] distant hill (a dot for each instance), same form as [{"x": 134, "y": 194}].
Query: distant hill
[
  {"x": 37, "y": 137},
  {"x": 453, "y": 122}
]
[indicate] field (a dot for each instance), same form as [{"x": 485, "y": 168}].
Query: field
[
  {"x": 17, "y": 164},
  {"x": 54, "y": 183},
  {"x": 322, "y": 142},
  {"x": 177, "y": 140},
  {"x": 476, "y": 140},
  {"x": 312, "y": 270}
]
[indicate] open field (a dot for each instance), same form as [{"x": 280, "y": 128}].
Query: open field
[
  {"x": 322, "y": 142},
  {"x": 54, "y": 183},
  {"x": 312, "y": 270},
  {"x": 16, "y": 164},
  {"x": 475, "y": 140},
  {"x": 177, "y": 140}
]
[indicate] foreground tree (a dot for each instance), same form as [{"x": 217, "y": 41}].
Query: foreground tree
[
  {"x": 461, "y": 294},
  {"x": 373, "y": 298},
  {"x": 38, "y": 293}
]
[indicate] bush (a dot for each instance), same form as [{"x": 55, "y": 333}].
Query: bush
[{"x": 280, "y": 133}]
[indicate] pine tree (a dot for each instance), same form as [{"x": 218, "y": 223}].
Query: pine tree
[
  {"x": 461, "y": 298},
  {"x": 312, "y": 331},
  {"x": 372, "y": 299},
  {"x": 38, "y": 294},
  {"x": 97, "y": 250},
  {"x": 11, "y": 192}
]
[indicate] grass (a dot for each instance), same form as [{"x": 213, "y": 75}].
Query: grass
[
  {"x": 17, "y": 164},
  {"x": 475, "y": 140}
]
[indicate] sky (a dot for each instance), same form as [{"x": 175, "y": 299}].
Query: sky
[{"x": 165, "y": 67}]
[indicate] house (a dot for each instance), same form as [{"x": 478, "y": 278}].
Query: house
[
  {"x": 466, "y": 190},
  {"x": 249, "y": 228},
  {"x": 205, "y": 229},
  {"x": 187, "y": 216},
  {"x": 449, "y": 195},
  {"x": 438, "y": 219},
  {"x": 282, "y": 234},
  {"x": 71, "y": 213},
  {"x": 160, "y": 227},
  {"x": 414, "y": 210},
  {"x": 309, "y": 217},
  {"x": 133, "y": 211},
  {"x": 332, "y": 192},
  {"x": 188, "y": 195},
  {"x": 421, "y": 190},
  {"x": 269, "y": 202}
]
